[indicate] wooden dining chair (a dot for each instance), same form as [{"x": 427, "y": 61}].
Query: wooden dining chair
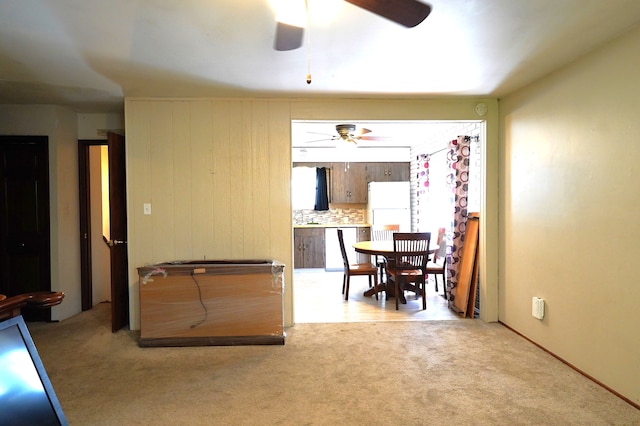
[
  {"x": 350, "y": 269},
  {"x": 383, "y": 233},
  {"x": 438, "y": 265},
  {"x": 410, "y": 255}
]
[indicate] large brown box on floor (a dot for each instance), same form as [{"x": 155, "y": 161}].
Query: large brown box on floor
[{"x": 216, "y": 302}]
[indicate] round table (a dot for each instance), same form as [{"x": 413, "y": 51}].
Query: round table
[{"x": 380, "y": 248}]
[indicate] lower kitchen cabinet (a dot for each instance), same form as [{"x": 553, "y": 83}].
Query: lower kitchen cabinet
[
  {"x": 308, "y": 248},
  {"x": 364, "y": 234}
]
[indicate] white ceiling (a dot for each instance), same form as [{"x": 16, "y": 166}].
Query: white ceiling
[{"x": 89, "y": 54}]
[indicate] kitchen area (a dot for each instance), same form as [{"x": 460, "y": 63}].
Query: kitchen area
[
  {"x": 368, "y": 183},
  {"x": 315, "y": 231}
]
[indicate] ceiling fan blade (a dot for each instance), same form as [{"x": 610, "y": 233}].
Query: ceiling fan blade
[
  {"x": 288, "y": 37},
  {"x": 364, "y": 131},
  {"x": 319, "y": 133},
  {"x": 374, "y": 138},
  {"x": 323, "y": 140},
  {"x": 404, "y": 12}
]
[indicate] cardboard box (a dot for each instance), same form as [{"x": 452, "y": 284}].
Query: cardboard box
[{"x": 217, "y": 302}]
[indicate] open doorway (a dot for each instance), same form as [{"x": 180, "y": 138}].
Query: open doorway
[
  {"x": 391, "y": 142},
  {"x": 95, "y": 265},
  {"x": 103, "y": 230}
]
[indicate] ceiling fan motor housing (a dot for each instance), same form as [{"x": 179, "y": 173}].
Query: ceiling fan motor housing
[{"x": 345, "y": 130}]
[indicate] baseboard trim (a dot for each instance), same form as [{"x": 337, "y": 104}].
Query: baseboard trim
[{"x": 573, "y": 367}]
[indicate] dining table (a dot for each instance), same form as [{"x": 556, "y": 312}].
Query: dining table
[{"x": 383, "y": 248}]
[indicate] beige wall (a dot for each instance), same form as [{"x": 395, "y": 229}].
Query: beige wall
[
  {"x": 217, "y": 174},
  {"x": 92, "y": 125},
  {"x": 60, "y": 125},
  {"x": 569, "y": 203}
]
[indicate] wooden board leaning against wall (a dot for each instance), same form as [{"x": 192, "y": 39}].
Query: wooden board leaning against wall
[{"x": 465, "y": 294}]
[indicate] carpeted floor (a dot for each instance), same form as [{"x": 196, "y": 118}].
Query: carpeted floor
[{"x": 375, "y": 373}]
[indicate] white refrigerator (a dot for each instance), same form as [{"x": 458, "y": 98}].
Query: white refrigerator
[{"x": 389, "y": 203}]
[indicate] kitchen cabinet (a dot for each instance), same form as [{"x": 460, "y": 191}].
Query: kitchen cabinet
[
  {"x": 363, "y": 234},
  {"x": 308, "y": 248},
  {"x": 349, "y": 183},
  {"x": 388, "y": 172}
]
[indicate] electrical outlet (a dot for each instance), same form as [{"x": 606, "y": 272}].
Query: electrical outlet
[{"x": 537, "y": 308}]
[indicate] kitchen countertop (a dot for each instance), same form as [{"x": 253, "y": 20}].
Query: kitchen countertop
[{"x": 331, "y": 225}]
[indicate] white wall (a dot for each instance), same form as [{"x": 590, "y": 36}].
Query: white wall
[{"x": 568, "y": 207}]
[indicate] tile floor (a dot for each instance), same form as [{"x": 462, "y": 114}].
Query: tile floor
[{"x": 317, "y": 298}]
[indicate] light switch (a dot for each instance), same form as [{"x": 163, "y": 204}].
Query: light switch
[{"x": 147, "y": 208}]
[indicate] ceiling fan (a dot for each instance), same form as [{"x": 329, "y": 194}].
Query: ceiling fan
[
  {"x": 347, "y": 133},
  {"x": 408, "y": 13}
]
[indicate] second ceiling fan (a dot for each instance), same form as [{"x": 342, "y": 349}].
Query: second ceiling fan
[
  {"x": 347, "y": 133},
  {"x": 407, "y": 13}
]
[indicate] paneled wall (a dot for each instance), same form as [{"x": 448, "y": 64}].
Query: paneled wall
[{"x": 217, "y": 175}]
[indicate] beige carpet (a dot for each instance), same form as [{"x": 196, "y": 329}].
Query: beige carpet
[{"x": 376, "y": 373}]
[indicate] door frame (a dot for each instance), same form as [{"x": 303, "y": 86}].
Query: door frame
[
  {"x": 86, "y": 280},
  {"x": 119, "y": 288}
]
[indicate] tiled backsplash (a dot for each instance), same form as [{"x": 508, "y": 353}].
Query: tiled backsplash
[{"x": 301, "y": 217}]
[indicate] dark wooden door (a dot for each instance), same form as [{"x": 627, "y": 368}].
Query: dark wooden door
[
  {"x": 118, "y": 238},
  {"x": 25, "y": 252}
]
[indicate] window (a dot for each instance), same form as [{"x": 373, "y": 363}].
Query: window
[{"x": 303, "y": 188}]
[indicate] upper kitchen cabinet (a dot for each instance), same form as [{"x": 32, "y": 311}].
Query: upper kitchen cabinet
[
  {"x": 349, "y": 183},
  {"x": 388, "y": 172}
]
